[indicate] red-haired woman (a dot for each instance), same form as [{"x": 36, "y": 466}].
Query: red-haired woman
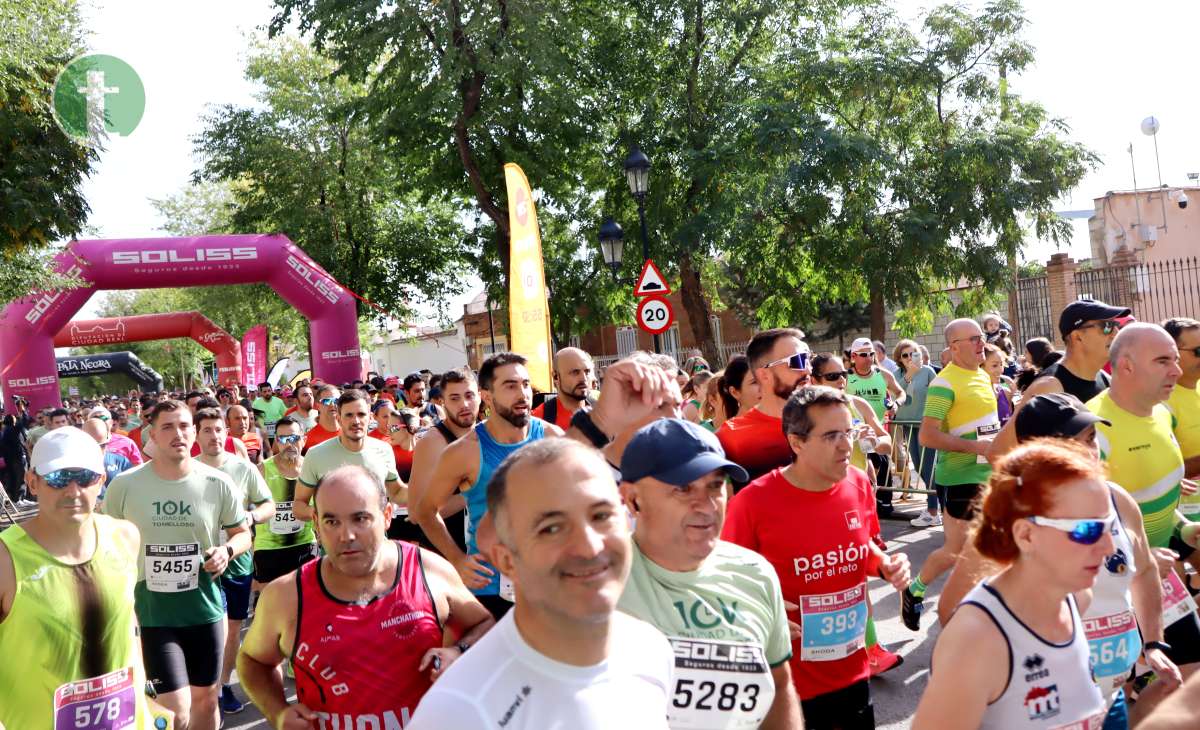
[{"x": 1015, "y": 655}]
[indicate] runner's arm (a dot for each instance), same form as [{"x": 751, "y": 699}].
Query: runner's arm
[
  {"x": 785, "y": 709},
  {"x": 447, "y": 475},
  {"x": 973, "y": 661},
  {"x": 425, "y": 456},
  {"x": 262, "y": 652},
  {"x": 969, "y": 569},
  {"x": 1191, "y": 467},
  {"x": 899, "y": 395},
  {"x": 262, "y": 512},
  {"x": 8, "y": 582},
  {"x": 397, "y": 491},
  {"x": 302, "y": 502},
  {"x": 466, "y": 615},
  {"x": 883, "y": 442},
  {"x": 239, "y": 449},
  {"x": 932, "y": 436}
]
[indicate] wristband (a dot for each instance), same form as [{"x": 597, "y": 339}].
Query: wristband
[
  {"x": 875, "y": 564},
  {"x": 582, "y": 420},
  {"x": 1160, "y": 645},
  {"x": 229, "y": 549}
]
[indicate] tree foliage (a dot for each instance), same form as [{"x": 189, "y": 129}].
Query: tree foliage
[{"x": 41, "y": 168}]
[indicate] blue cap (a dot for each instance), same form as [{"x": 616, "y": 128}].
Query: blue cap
[{"x": 676, "y": 452}]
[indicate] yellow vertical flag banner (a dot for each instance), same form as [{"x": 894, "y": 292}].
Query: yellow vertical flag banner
[{"x": 528, "y": 307}]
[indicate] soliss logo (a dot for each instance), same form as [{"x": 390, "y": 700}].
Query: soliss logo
[
  {"x": 31, "y": 382},
  {"x": 43, "y": 303},
  {"x": 339, "y": 354},
  {"x": 171, "y": 256},
  {"x": 315, "y": 279}
]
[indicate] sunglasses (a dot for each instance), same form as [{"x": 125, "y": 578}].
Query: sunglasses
[
  {"x": 905, "y": 355},
  {"x": 1082, "y": 532},
  {"x": 1106, "y": 327},
  {"x": 864, "y": 354},
  {"x": 834, "y": 377},
  {"x": 328, "y": 401},
  {"x": 60, "y": 478},
  {"x": 974, "y": 340},
  {"x": 290, "y": 438},
  {"x": 799, "y": 361}
]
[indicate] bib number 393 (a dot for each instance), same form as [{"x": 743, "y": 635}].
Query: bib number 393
[
  {"x": 833, "y": 625},
  {"x": 173, "y": 568},
  {"x": 284, "y": 522},
  {"x": 100, "y": 703},
  {"x": 719, "y": 684}
]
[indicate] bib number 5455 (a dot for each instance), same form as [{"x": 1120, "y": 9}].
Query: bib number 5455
[{"x": 711, "y": 696}]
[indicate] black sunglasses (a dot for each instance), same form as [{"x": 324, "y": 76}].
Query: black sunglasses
[{"x": 834, "y": 377}]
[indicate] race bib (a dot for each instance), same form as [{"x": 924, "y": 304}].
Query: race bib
[
  {"x": 270, "y": 429},
  {"x": 173, "y": 568},
  {"x": 833, "y": 625},
  {"x": 107, "y": 702},
  {"x": 506, "y": 589},
  {"x": 1191, "y": 509},
  {"x": 719, "y": 684},
  {"x": 1115, "y": 644},
  {"x": 284, "y": 522},
  {"x": 1177, "y": 603},
  {"x": 988, "y": 429}
]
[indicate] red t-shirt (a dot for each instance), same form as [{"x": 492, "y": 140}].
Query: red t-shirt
[
  {"x": 756, "y": 442},
  {"x": 404, "y": 462},
  {"x": 377, "y": 434},
  {"x": 562, "y": 418},
  {"x": 818, "y": 543},
  {"x": 228, "y": 447},
  {"x": 317, "y": 434}
]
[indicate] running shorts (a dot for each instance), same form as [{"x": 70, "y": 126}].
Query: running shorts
[
  {"x": 960, "y": 500},
  {"x": 237, "y": 596},
  {"x": 848, "y": 708},
  {"x": 183, "y": 656},
  {"x": 272, "y": 564}
]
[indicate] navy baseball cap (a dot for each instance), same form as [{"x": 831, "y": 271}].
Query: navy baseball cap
[
  {"x": 677, "y": 452},
  {"x": 1075, "y": 314},
  {"x": 1060, "y": 415}
]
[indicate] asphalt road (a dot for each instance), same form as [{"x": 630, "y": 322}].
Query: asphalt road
[{"x": 896, "y": 693}]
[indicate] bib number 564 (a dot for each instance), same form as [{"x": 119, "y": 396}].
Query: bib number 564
[{"x": 711, "y": 696}]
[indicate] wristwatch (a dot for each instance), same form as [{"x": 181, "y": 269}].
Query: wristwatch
[
  {"x": 229, "y": 549},
  {"x": 462, "y": 647},
  {"x": 1160, "y": 645}
]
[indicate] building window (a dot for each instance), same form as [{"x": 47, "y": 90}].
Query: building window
[
  {"x": 714, "y": 321},
  {"x": 626, "y": 341},
  {"x": 573, "y": 341},
  {"x": 670, "y": 341}
]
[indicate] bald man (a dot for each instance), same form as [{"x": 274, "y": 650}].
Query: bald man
[
  {"x": 574, "y": 377},
  {"x": 114, "y": 463},
  {"x": 960, "y": 422}
]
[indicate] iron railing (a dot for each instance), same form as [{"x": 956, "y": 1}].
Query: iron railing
[
  {"x": 1033, "y": 309},
  {"x": 1154, "y": 291}
]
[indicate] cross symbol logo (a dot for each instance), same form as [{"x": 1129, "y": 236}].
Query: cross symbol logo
[{"x": 96, "y": 96}]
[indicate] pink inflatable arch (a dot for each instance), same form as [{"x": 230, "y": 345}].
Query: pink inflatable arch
[
  {"x": 142, "y": 327},
  {"x": 28, "y": 327}
]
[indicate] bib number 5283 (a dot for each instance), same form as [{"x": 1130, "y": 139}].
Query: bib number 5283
[{"x": 707, "y": 695}]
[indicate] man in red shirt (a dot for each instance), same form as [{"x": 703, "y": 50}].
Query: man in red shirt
[
  {"x": 823, "y": 568},
  {"x": 754, "y": 439},
  {"x": 574, "y": 378},
  {"x": 327, "y": 424}
]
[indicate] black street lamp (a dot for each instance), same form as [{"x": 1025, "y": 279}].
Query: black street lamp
[
  {"x": 612, "y": 245},
  {"x": 637, "y": 173}
]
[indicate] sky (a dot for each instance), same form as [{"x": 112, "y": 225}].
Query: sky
[{"x": 1101, "y": 66}]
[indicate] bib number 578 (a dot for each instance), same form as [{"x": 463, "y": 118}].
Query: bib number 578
[
  {"x": 98, "y": 714},
  {"x": 711, "y": 696}
]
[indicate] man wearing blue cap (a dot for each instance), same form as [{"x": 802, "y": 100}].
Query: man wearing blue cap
[{"x": 719, "y": 604}]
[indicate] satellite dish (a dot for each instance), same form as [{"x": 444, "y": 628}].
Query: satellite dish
[{"x": 1150, "y": 126}]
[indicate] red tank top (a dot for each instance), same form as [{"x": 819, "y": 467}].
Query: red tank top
[{"x": 336, "y": 675}]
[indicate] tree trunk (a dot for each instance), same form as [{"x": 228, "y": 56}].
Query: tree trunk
[
  {"x": 878, "y": 314},
  {"x": 691, "y": 293}
]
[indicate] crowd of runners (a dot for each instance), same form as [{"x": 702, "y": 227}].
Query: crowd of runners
[{"x": 655, "y": 546}]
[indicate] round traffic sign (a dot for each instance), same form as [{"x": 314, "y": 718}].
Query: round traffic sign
[{"x": 654, "y": 315}]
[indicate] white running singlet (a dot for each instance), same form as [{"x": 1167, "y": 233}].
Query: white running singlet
[{"x": 503, "y": 682}]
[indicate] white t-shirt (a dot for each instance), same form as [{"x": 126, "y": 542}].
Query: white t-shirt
[{"x": 504, "y": 682}]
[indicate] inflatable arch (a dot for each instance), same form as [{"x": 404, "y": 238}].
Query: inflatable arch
[
  {"x": 102, "y": 363},
  {"x": 28, "y": 327},
  {"x": 142, "y": 327}
]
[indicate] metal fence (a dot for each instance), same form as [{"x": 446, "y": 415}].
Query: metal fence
[
  {"x": 1033, "y": 308},
  {"x": 1154, "y": 291}
]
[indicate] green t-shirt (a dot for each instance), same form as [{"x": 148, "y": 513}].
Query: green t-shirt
[
  {"x": 871, "y": 388},
  {"x": 964, "y": 401},
  {"x": 1144, "y": 458},
  {"x": 179, "y": 520},
  {"x": 273, "y": 410},
  {"x": 376, "y": 457},
  {"x": 727, "y": 624},
  {"x": 284, "y": 530},
  {"x": 252, "y": 491}
]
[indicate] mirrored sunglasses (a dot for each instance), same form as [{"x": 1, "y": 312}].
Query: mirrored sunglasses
[
  {"x": 60, "y": 478},
  {"x": 1083, "y": 531}
]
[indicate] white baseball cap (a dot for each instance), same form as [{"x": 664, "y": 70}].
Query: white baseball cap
[
  {"x": 862, "y": 343},
  {"x": 100, "y": 412},
  {"x": 67, "y": 448}
]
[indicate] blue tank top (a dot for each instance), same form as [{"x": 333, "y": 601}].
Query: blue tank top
[{"x": 491, "y": 453}]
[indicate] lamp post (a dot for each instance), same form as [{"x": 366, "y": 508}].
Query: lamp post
[{"x": 637, "y": 173}]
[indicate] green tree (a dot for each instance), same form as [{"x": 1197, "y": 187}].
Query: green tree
[
  {"x": 41, "y": 168},
  {"x": 305, "y": 163},
  {"x": 898, "y": 165}
]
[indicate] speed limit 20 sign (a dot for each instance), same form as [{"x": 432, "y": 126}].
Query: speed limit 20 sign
[{"x": 654, "y": 315}]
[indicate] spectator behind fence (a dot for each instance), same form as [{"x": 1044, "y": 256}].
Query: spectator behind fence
[{"x": 915, "y": 377}]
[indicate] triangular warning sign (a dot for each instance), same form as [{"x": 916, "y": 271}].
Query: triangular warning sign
[{"x": 651, "y": 282}]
